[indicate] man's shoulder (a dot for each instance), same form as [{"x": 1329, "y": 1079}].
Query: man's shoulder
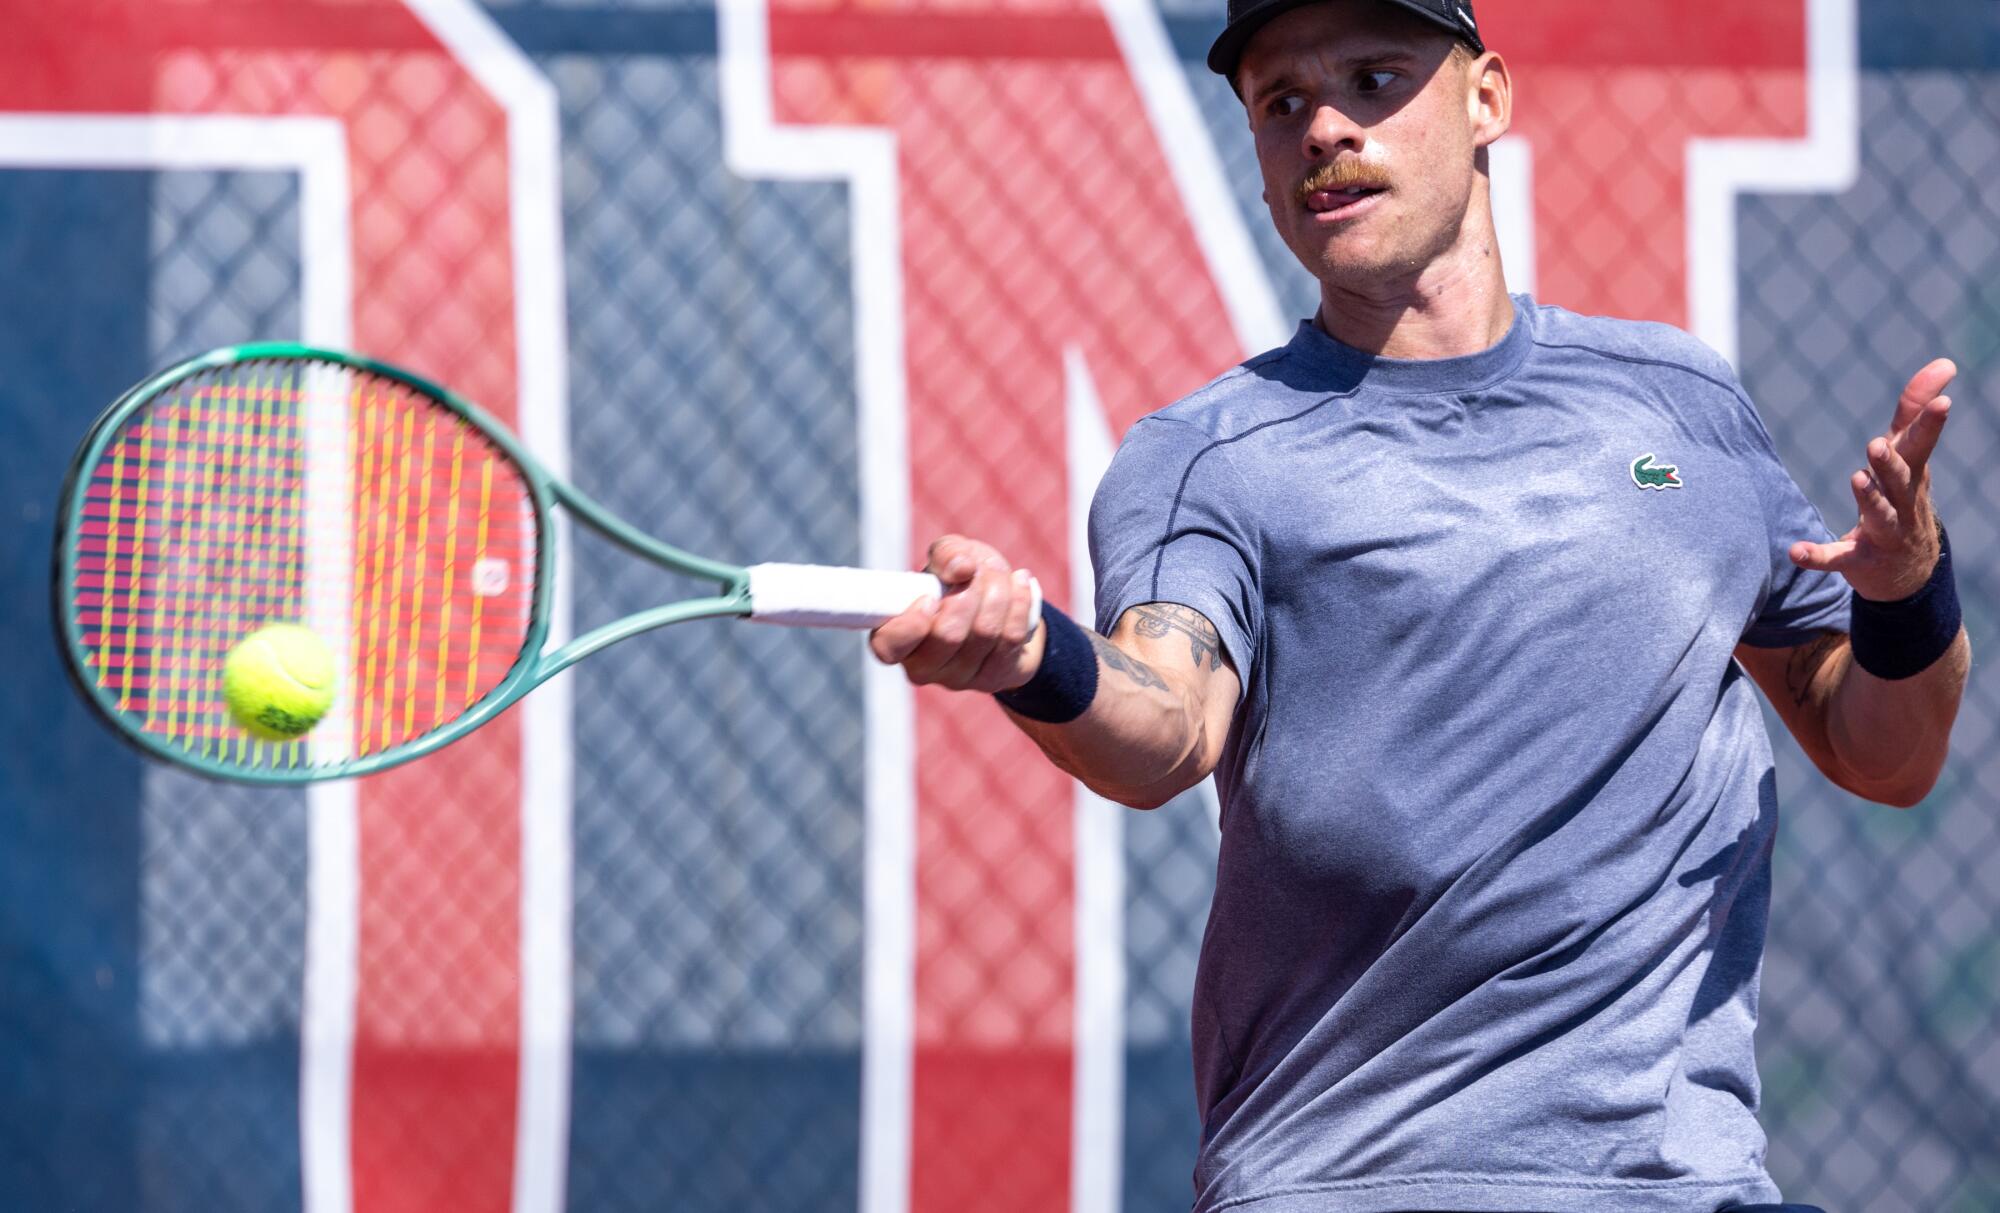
[
  {"x": 1233, "y": 403},
  {"x": 1641, "y": 344}
]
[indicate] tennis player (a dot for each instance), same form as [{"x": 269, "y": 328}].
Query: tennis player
[{"x": 1462, "y": 599}]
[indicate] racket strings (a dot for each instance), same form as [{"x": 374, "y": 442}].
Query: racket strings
[{"x": 302, "y": 492}]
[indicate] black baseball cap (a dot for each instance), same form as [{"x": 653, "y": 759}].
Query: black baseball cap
[{"x": 1246, "y": 17}]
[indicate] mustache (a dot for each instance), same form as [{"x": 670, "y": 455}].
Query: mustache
[{"x": 1343, "y": 175}]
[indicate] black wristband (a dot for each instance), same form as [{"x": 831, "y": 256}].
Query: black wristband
[
  {"x": 1066, "y": 681},
  {"x": 1897, "y": 640}
]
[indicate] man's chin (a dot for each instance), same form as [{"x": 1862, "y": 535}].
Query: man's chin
[{"x": 1354, "y": 261}]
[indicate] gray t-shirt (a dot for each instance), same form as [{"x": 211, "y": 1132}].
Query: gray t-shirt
[{"x": 1497, "y": 801}]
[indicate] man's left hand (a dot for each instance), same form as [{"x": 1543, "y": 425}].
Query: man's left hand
[{"x": 1891, "y": 551}]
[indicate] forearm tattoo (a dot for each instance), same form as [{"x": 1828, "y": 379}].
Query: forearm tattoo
[
  {"x": 1115, "y": 658},
  {"x": 1157, "y": 619},
  {"x": 1805, "y": 664}
]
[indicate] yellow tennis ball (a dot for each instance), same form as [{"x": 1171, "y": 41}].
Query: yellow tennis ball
[{"x": 278, "y": 681}]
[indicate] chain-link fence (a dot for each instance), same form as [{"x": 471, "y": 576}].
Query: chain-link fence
[
  {"x": 1878, "y": 1045},
  {"x": 729, "y": 342}
]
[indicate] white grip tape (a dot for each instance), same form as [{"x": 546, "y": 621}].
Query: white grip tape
[{"x": 823, "y": 596}]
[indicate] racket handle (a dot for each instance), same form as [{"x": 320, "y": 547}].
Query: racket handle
[{"x": 822, "y": 596}]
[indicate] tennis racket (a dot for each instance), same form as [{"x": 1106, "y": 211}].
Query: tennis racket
[{"x": 411, "y": 532}]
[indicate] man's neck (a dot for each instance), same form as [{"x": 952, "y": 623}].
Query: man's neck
[{"x": 1456, "y": 306}]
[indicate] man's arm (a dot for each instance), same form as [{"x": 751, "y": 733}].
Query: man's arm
[
  {"x": 1165, "y": 696},
  {"x": 1882, "y": 734},
  {"x": 1881, "y": 740},
  {"x": 1165, "y": 690}
]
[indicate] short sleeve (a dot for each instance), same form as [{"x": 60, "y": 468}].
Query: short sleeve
[
  {"x": 1171, "y": 522},
  {"x": 1798, "y": 603}
]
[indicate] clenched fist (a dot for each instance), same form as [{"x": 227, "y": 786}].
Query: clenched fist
[{"x": 980, "y": 636}]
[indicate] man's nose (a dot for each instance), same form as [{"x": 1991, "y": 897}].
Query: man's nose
[{"x": 1332, "y": 132}]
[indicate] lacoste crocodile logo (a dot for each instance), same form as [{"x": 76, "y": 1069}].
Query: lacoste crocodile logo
[{"x": 1646, "y": 476}]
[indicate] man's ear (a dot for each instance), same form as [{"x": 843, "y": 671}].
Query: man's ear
[{"x": 1489, "y": 98}]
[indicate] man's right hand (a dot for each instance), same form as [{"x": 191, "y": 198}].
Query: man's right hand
[
  {"x": 977, "y": 637},
  {"x": 1165, "y": 696}
]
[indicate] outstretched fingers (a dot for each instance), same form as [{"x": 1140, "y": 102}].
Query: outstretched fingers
[
  {"x": 1916, "y": 443},
  {"x": 1892, "y": 548},
  {"x": 1834, "y": 557},
  {"x": 1892, "y": 475},
  {"x": 1878, "y": 512},
  {"x": 1924, "y": 387}
]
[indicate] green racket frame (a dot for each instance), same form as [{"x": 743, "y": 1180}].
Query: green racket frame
[{"x": 530, "y": 669}]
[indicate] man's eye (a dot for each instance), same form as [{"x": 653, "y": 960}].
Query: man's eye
[
  {"x": 1374, "y": 82},
  {"x": 1287, "y": 105}
]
